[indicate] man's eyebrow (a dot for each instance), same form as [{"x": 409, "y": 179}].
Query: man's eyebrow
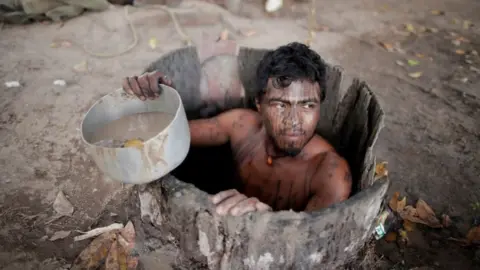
[{"x": 306, "y": 100}]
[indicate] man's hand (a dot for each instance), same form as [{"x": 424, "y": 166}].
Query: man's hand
[
  {"x": 145, "y": 86},
  {"x": 234, "y": 203}
]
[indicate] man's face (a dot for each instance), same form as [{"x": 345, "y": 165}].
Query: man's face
[{"x": 291, "y": 114}]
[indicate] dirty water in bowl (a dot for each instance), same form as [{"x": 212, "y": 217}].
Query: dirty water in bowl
[{"x": 131, "y": 130}]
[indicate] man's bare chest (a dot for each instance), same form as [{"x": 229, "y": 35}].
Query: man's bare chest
[{"x": 283, "y": 183}]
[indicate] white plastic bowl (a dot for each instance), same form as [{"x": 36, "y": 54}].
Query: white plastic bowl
[{"x": 159, "y": 154}]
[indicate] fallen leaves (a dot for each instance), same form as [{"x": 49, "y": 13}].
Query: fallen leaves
[
  {"x": 437, "y": 12},
  {"x": 413, "y": 62},
  {"x": 473, "y": 235},
  {"x": 152, "y": 42},
  {"x": 381, "y": 170},
  {"x": 415, "y": 75},
  {"x": 387, "y": 46},
  {"x": 80, "y": 67},
  {"x": 421, "y": 213},
  {"x": 114, "y": 248},
  {"x": 460, "y": 52}
]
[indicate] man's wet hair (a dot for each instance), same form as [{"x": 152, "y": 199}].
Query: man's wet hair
[{"x": 288, "y": 63}]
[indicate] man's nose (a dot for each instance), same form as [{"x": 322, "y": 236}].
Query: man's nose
[{"x": 295, "y": 117}]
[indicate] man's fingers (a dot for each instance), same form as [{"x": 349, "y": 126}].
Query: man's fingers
[
  {"x": 144, "y": 84},
  {"x": 244, "y": 206},
  {"x": 153, "y": 80},
  {"x": 224, "y": 207},
  {"x": 223, "y": 195},
  {"x": 126, "y": 86},
  {"x": 262, "y": 207},
  {"x": 164, "y": 79},
  {"x": 135, "y": 87}
]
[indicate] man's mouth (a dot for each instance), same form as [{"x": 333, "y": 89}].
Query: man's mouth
[{"x": 294, "y": 134}]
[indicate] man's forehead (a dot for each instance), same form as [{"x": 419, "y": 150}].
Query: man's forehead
[{"x": 297, "y": 90}]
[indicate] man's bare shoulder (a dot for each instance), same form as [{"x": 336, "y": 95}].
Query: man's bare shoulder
[
  {"x": 317, "y": 146},
  {"x": 240, "y": 122},
  {"x": 332, "y": 173}
]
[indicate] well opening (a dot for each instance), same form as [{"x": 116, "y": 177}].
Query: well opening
[{"x": 351, "y": 120}]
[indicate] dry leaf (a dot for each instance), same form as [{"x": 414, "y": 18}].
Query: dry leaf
[
  {"x": 81, "y": 67},
  {"x": 224, "y": 35},
  {"x": 426, "y": 214},
  {"x": 437, "y": 12},
  {"x": 393, "y": 203},
  {"x": 473, "y": 235},
  {"x": 455, "y": 21},
  {"x": 408, "y": 225},
  {"x": 381, "y": 169},
  {"x": 391, "y": 237},
  {"x": 152, "y": 42},
  {"x": 54, "y": 45},
  {"x": 413, "y": 62},
  {"x": 400, "y": 63},
  {"x": 401, "y": 204},
  {"x": 419, "y": 55},
  {"x": 117, "y": 258},
  {"x": 466, "y": 24},
  {"x": 59, "y": 235},
  {"x": 94, "y": 255},
  {"x": 410, "y": 28},
  {"x": 62, "y": 206},
  {"x": 387, "y": 46},
  {"x": 460, "y": 52},
  {"x": 410, "y": 213},
  {"x": 415, "y": 74}
]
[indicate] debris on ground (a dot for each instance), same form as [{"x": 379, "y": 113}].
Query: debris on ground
[
  {"x": 60, "y": 82},
  {"x": 12, "y": 84},
  {"x": 114, "y": 249},
  {"x": 62, "y": 206},
  {"x": 59, "y": 235},
  {"x": 98, "y": 231},
  {"x": 381, "y": 170}
]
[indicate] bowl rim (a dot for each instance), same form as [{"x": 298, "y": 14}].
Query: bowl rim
[{"x": 162, "y": 86}]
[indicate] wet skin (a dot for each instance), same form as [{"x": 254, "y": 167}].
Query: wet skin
[{"x": 282, "y": 164}]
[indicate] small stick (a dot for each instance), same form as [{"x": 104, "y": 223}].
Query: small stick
[{"x": 98, "y": 231}]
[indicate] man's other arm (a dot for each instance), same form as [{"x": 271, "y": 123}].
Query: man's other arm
[
  {"x": 331, "y": 183},
  {"x": 218, "y": 130}
]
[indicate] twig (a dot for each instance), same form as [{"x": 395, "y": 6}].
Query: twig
[{"x": 98, "y": 231}]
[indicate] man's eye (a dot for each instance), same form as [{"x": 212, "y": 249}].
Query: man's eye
[
  {"x": 279, "y": 105},
  {"x": 309, "y": 106}
]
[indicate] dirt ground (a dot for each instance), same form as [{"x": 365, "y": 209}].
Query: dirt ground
[{"x": 431, "y": 138}]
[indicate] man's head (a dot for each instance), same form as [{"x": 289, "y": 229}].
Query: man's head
[{"x": 291, "y": 85}]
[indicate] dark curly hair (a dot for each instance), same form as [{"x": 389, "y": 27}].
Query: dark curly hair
[{"x": 288, "y": 63}]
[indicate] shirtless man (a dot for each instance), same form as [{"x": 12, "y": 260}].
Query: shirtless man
[{"x": 282, "y": 163}]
